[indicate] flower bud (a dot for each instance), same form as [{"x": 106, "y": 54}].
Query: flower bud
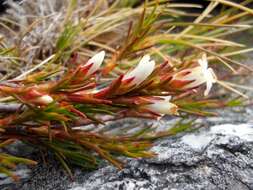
[
  {"x": 94, "y": 63},
  {"x": 162, "y": 106},
  {"x": 141, "y": 72},
  {"x": 43, "y": 100}
]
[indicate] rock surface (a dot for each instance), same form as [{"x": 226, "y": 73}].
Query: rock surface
[{"x": 219, "y": 157}]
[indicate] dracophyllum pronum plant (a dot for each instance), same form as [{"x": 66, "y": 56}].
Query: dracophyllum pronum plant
[
  {"x": 145, "y": 91},
  {"x": 149, "y": 63}
]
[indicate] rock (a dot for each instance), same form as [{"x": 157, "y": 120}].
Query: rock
[
  {"x": 219, "y": 157},
  {"x": 23, "y": 171}
]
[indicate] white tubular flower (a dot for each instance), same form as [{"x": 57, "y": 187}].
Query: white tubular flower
[
  {"x": 96, "y": 62},
  {"x": 199, "y": 75},
  {"x": 44, "y": 100},
  {"x": 141, "y": 71},
  {"x": 163, "y": 106}
]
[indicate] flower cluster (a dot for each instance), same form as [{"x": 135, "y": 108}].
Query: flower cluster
[{"x": 132, "y": 90}]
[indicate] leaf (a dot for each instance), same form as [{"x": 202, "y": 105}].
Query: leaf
[{"x": 66, "y": 38}]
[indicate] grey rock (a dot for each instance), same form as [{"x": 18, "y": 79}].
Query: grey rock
[
  {"x": 23, "y": 171},
  {"x": 218, "y": 158}
]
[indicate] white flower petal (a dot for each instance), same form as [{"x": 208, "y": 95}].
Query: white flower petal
[
  {"x": 96, "y": 62},
  {"x": 212, "y": 75},
  {"x": 203, "y": 62},
  {"x": 209, "y": 85},
  {"x": 166, "y": 98},
  {"x": 141, "y": 71},
  {"x": 163, "y": 106},
  {"x": 199, "y": 75}
]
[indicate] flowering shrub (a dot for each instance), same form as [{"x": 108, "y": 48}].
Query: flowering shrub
[{"x": 148, "y": 73}]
